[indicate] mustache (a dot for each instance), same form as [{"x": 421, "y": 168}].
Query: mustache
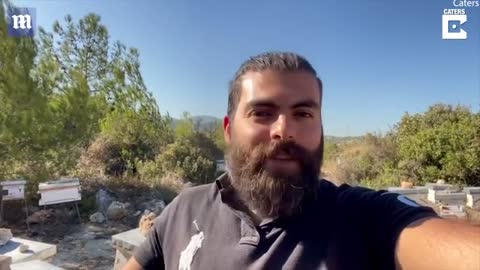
[
  {"x": 287, "y": 147},
  {"x": 262, "y": 152}
]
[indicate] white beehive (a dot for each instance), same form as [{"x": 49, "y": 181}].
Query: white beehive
[
  {"x": 60, "y": 191},
  {"x": 221, "y": 165},
  {"x": 13, "y": 190}
]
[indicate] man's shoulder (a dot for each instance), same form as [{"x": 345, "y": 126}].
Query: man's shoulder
[
  {"x": 200, "y": 192},
  {"x": 349, "y": 198},
  {"x": 345, "y": 193},
  {"x": 326, "y": 186},
  {"x": 188, "y": 203},
  {"x": 347, "y": 188}
]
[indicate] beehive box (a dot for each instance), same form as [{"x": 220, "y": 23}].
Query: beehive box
[
  {"x": 13, "y": 190},
  {"x": 60, "y": 191}
]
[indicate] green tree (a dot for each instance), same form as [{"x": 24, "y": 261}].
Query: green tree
[
  {"x": 441, "y": 143},
  {"x": 60, "y": 92},
  {"x": 185, "y": 127},
  {"x": 217, "y": 136},
  {"x": 23, "y": 108},
  {"x": 96, "y": 88}
]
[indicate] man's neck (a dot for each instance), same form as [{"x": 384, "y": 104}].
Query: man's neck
[{"x": 238, "y": 203}]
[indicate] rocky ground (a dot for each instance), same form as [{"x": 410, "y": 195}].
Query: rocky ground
[
  {"x": 79, "y": 246},
  {"x": 86, "y": 244}
]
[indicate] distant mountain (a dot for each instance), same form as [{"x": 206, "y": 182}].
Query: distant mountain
[
  {"x": 336, "y": 139},
  {"x": 203, "y": 122},
  {"x": 205, "y": 118}
]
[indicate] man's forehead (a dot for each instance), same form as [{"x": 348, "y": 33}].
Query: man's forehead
[{"x": 281, "y": 86}]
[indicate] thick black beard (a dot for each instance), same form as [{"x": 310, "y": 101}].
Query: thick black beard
[{"x": 270, "y": 194}]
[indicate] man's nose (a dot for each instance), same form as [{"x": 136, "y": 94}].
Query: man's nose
[{"x": 282, "y": 129}]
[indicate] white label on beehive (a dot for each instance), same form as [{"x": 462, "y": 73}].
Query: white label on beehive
[{"x": 13, "y": 193}]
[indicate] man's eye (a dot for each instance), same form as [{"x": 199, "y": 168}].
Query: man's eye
[
  {"x": 261, "y": 114},
  {"x": 304, "y": 114}
]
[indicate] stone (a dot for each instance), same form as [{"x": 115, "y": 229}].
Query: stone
[
  {"x": 70, "y": 265},
  {"x": 156, "y": 206},
  {"x": 5, "y": 236},
  {"x": 406, "y": 184},
  {"x": 68, "y": 238},
  {"x": 23, "y": 248},
  {"x": 5, "y": 262},
  {"x": 95, "y": 228},
  {"x": 40, "y": 216},
  {"x": 97, "y": 217},
  {"x": 103, "y": 200},
  {"x": 116, "y": 211},
  {"x": 130, "y": 208}
]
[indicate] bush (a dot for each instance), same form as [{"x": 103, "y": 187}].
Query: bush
[
  {"x": 97, "y": 159},
  {"x": 107, "y": 156},
  {"x": 369, "y": 161},
  {"x": 441, "y": 143},
  {"x": 185, "y": 159}
]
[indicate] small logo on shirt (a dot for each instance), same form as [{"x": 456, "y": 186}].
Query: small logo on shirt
[
  {"x": 407, "y": 201},
  {"x": 403, "y": 199},
  {"x": 186, "y": 257}
]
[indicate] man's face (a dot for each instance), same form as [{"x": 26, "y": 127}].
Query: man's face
[{"x": 274, "y": 140}]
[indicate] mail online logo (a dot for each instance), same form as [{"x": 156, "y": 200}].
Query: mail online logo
[
  {"x": 452, "y": 26},
  {"x": 21, "y": 21}
]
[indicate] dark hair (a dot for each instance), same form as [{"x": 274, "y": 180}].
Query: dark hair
[{"x": 276, "y": 61}]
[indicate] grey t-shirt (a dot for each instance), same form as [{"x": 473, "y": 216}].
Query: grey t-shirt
[{"x": 344, "y": 228}]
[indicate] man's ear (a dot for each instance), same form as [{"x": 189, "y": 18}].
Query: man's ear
[{"x": 226, "y": 129}]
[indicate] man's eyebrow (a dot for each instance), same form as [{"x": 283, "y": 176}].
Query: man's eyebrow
[
  {"x": 306, "y": 103},
  {"x": 270, "y": 104},
  {"x": 261, "y": 103}
]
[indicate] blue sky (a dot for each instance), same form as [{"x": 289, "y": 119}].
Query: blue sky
[{"x": 378, "y": 60}]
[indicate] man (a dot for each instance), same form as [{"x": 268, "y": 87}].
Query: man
[{"x": 271, "y": 211}]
